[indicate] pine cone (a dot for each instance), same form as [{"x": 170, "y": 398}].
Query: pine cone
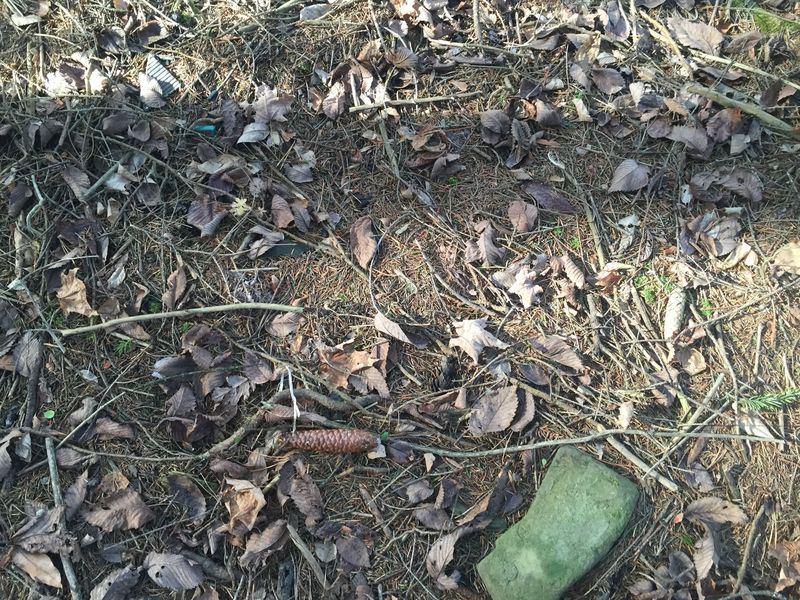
[{"x": 332, "y": 441}]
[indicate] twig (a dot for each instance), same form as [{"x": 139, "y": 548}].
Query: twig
[
  {"x": 104, "y": 178},
  {"x": 745, "y": 107},
  {"x": 744, "y": 67},
  {"x": 748, "y": 548},
  {"x": 373, "y": 508},
  {"x": 476, "y": 22},
  {"x": 413, "y": 101},
  {"x": 32, "y": 386},
  {"x": 177, "y": 314},
  {"x": 58, "y": 500},
  {"x": 308, "y": 555},
  {"x": 580, "y": 440}
]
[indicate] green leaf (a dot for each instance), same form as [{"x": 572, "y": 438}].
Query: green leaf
[{"x": 49, "y": 414}]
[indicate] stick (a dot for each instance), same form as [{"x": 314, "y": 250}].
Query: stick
[
  {"x": 177, "y": 314},
  {"x": 750, "y": 109},
  {"x": 58, "y": 500},
  {"x": 308, "y": 555},
  {"x": 373, "y": 508},
  {"x": 748, "y": 548},
  {"x": 413, "y": 101},
  {"x": 744, "y": 67}
]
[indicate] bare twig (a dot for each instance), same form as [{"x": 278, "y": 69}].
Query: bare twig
[
  {"x": 748, "y": 548},
  {"x": 308, "y": 555},
  {"x": 750, "y": 109},
  {"x": 179, "y": 314},
  {"x": 413, "y": 101},
  {"x": 58, "y": 500}
]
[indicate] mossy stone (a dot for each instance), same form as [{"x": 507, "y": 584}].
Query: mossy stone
[{"x": 580, "y": 510}]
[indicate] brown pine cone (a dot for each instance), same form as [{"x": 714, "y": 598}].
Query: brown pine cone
[{"x": 332, "y": 441}]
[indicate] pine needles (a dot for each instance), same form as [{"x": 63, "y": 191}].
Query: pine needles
[{"x": 770, "y": 402}]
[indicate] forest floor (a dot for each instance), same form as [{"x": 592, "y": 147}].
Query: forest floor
[{"x": 474, "y": 230}]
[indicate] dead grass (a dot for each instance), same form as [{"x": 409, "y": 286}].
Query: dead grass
[{"x": 234, "y": 48}]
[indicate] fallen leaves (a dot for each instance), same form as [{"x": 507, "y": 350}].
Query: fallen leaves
[
  {"x": 522, "y": 215},
  {"x": 244, "y": 501},
  {"x": 173, "y": 571},
  {"x": 494, "y": 411},
  {"x": 472, "y": 338},
  {"x": 485, "y": 249},
  {"x": 629, "y": 177},
  {"x": 362, "y": 241},
  {"x": 72, "y": 295}
]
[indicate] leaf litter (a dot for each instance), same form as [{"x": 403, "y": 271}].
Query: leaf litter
[{"x": 247, "y": 175}]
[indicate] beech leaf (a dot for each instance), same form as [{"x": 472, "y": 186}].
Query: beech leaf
[
  {"x": 629, "y": 177},
  {"x": 494, "y": 411}
]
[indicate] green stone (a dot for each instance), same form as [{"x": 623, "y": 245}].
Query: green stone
[{"x": 580, "y": 510}]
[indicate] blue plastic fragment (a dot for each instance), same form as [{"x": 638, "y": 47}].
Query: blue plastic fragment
[{"x": 209, "y": 129}]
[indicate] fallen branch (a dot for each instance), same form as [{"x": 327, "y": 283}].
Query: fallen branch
[
  {"x": 745, "y": 107},
  {"x": 413, "y": 101},
  {"x": 179, "y": 314},
  {"x": 58, "y": 500}
]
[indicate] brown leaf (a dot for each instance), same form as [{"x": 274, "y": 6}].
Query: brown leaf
[
  {"x": 608, "y": 81},
  {"x": 485, "y": 248},
  {"x": 75, "y": 495},
  {"x": 260, "y": 546},
  {"x": 362, "y": 241},
  {"x": 714, "y": 511},
  {"x": 495, "y": 126},
  {"x": 38, "y": 567},
  {"x": 72, "y": 295},
  {"x": 690, "y": 360},
  {"x": 629, "y": 177},
  {"x": 385, "y": 325},
  {"x": 18, "y": 199},
  {"x": 724, "y": 124},
  {"x": 417, "y": 491},
  {"x": 77, "y": 180},
  {"x": 107, "y": 429},
  {"x": 494, "y": 411},
  {"x": 742, "y": 182},
  {"x": 445, "y": 166},
  {"x": 616, "y": 25},
  {"x": 334, "y": 103},
  {"x": 176, "y": 287},
  {"x": 706, "y": 554},
  {"x": 285, "y": 324},
  {"x": 27, "y": 351},
  {"x": 548, "y": 198},
  {"x": 432, "y": 517},
  {"x": 695, "y": 138},
  {"x": 526, "y": 410},
  {"x": 556, "y": 349},
  {"x": 573, "y": 272},
  {"x": 472, "y": 338},
  {"x": 440, "y": 555},
  {"x": 305, "y": 495},
  {"x": 787, "y": 258},
  {"x": 206, "y": 214},
  {"x": 522, "y": 215},
  {"x": 353, "y": 550},
  {"x": 150, "y": 92},
  {"x": 696, "y": 35},
  {"x": 243, "y": 501},
  {"x": 173, "y": 571},
  {"x": 188, "y": 496},
  {"x": 116, "y": 585},
  {"x": 788, "y": 555},
  {"x": 123, "y": 509},
  {"x": 402, "y": 58}
]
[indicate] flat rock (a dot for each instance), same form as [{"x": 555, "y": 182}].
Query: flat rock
[{"x": 579, "y": 511}]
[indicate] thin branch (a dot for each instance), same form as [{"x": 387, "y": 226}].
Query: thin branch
[
  {"x": 748, "y": 549},
  {"x": 178, "y": 314},
  {"x": 58, "y": 500},
  {"x": 413, "y": 101},
  {"x": 745, "y": 107}
]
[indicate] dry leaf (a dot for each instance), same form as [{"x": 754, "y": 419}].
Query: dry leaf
[
  {"x": 573, "y": 272},
  {"x": 608, "y": 81},
  {"x": 362, "y": 241},
  {"x": 116, "y": 585},
  {"x": 495, "y": 126},
  {"x": 629, "y": 177},
  {"x": 706, "y": 554},
  {"x": 285, "y": 324},
  {"x": 305, "y": 495},
  {"x": 72, "y": 295},
  {"x": 39, "y": 567},
  {"x": 353, "y": 551},
  {"x": 173, "y": 571},
  {"x": 123, "y": 509},
  {"x": 626, "y": 413},
  {"x": 385, "y": 325},
  {"x": 206, "y": 214},
  {"x": 472, "y": 338},
  {"x": 176, "y": 287},
  {"x": 243, "y": 501},
  {"x": 260, "y": 546},
  {"x": 77, "y": 180},
  {"x": 485, "y": 248},
  {"x": 522, "y": 215},
  {"x": 788, "y": 555},
  {"x": 150, "y": 91},
  {"x": 787, "y": 258},
  {"x": 556, "y": 349},
  {"x": 440, "y": 555},
  {"x": 107, "y": 429},
  {"x": 690, "y": 360},
  {"x": 714, "y": 511},
  {"x": 548, "y": 198},
  {"x": 417, "y": 491},
  {"x": 75, "y": 495},
  {"x": 494, "y": 411},
  {"x": 187, "y": 495},
  {"x": 696, "y": 35}
]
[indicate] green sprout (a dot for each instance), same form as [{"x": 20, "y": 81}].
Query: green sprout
[
  {"x": 384, "y": 436},
  {"x": 649, "y": 295},
  {"x": 558, "y": 231},
  {"x": 666, "y": 283},
  {"x": 575, "y": 243},
  {"x": 706, "y": 308},
  {"x": 452, "y": 180},
  {"x": 49, "y": 413},
  {"x": 153, "y": 306},
  {"x": 123, "y": 347},
  {"x": 185, "y": 326}
]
